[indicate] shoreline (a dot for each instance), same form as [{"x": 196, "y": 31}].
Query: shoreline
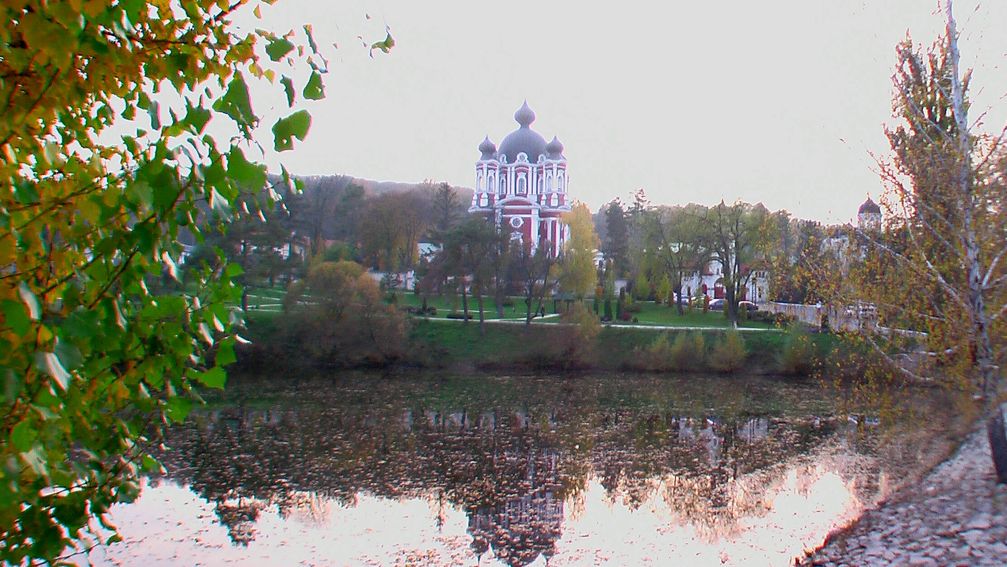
[
  {"x": 955, "y": 515},
  {"x": 514, "y": 346}
]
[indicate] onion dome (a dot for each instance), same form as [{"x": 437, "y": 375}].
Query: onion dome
[
  {"x": 524, "y": 115},
  {"x": 487, "y": 148},
  {"x": 869, "y": 207},
  {"x": 554, "y": 149},
  {"x": 524, "y": 139}
]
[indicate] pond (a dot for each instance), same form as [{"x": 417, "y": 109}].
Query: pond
[{"x": 365, "y": 469}]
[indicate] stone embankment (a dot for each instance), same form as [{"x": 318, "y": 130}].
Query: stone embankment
[{"x": 956, "y": 516}]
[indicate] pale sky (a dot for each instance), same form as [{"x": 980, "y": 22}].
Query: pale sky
[{"x": 779, "y": 102}]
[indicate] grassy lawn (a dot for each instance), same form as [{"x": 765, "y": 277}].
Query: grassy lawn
[
  {"x": 447, "y": 304},
  {"x": 661, "y": 314},
  {"x": 264, "y": 299},
  {"x": 615, "y": 348}
]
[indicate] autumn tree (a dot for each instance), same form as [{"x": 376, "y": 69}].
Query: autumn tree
[
  {"x": 676, "y": 244},
  {"x": 104, "y": 157},
  {"x": 532, "y": 271},
  {"x": 339, "y": 316},
  {"x": 738, "y": 235},
  {"x": 578, "y": 273},
  {"x": 469, "y": 254},
  {"x": 390, "y": 228},
  {"x": 936, "y": 273}
]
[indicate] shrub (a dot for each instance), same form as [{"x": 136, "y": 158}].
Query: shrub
[
  {"x": 655, "y": 356},
  {"x": 458, "y": 316},
  {"x": 729, "y": 354},
  {"x": 632, "y": 308},
  {"x": 688, "y": 352},
  {"x": 798, "y": 353},
  {"x": 577, "y": 339},
  {"x": 625, "y": 316}
]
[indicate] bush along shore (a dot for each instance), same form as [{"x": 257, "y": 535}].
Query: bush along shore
[{"x": 291, "y": 344}]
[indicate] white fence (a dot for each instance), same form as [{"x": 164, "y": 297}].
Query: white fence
[{"x": 851, "y": 318}]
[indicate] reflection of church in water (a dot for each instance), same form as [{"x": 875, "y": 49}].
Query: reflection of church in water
[
  {"x": 523, "y": 518},
  {"x": 522, "y": 528}
]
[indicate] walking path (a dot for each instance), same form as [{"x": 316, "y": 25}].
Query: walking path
[
  {"x": 956, "y": 516},
  {"x": 638, "y": 326}
]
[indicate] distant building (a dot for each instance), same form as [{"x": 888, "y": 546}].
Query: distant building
[
  {"x": 523, "y": 185},
  {"x": 869, "y": 216},
  {"x": 710, "y": 282}
]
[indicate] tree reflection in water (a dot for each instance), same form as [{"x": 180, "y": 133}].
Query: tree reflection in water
[{"x": 515, "y": 453}]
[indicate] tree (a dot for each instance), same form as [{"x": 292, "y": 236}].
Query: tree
[
  {"x": 106, "y": 157},
  {"x": 937, "y": 269},
  {"x": 344, "y": 319},
  {"x": 616, "y": 244},
  {"x": 447, "y": 207},
  {"x": 390, "y": 229},
  {"x": 469, "y": 253},
  {"x": 676, "y": 243},
  {"x": 738, "y": 234},
  {"x": 577, "y": 270},
  {"x": 533, "y": 270}
]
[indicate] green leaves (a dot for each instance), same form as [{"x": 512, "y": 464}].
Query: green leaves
[
  {"x": 288, "y": 88},
  {"x": 110, "y": 342},
  {"x": 243, "y": 171},
  {"x": 314, "y": 90},
  {"x": 294, "y": 126},
  {"x": 384, "y": 45},
  {"x": 15, "y": 316},
  {"x": 23, "y": 435},
  {"x": 236, "y": 104},
  {"x": 278, "y": 48},
  {"x": 212, "y": 378}
]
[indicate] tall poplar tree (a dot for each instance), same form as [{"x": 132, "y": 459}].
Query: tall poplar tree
[{"x": 936, "y": 273}]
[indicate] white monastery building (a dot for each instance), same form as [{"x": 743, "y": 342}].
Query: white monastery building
[{"x": 523, "y": 184}]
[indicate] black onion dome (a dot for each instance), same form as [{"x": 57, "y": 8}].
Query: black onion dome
[
  {"x": 487, "y": 148},
  {"x": 869, "y": 206},
  {"x": 554, "y": 149},
  {"x": 524, "y": 139}
]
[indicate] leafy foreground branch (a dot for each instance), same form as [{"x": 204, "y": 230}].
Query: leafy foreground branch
[{"x": 104, "y": 159}]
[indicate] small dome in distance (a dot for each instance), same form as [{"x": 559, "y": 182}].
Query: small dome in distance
[
  {"x": 487, "y": 148},
  {"x": 554, "y": 148},
  {"x": 869, "y": 207}
]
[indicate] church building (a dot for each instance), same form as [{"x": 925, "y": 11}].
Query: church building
[
  {"x": 523, "y": 185},
  {"x": 869, "y": 216}
]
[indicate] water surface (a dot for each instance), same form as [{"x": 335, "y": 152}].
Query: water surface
[{"x": 363, "y": 469}]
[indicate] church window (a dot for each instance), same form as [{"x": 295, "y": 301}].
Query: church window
[{"x": 522, "y": 185}]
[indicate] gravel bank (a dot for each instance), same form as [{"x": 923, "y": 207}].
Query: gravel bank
[{"x": 956, "y": 516}]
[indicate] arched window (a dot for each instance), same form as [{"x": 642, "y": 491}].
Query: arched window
[{"x": 522, "y": 185}]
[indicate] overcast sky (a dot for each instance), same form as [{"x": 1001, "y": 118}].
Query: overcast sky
[{"x": 779, "y": 102}]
